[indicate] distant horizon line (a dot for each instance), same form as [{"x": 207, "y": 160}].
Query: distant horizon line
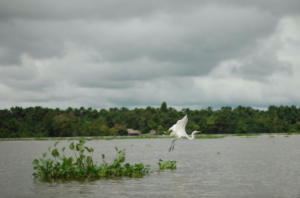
[{"x": 157, "y": 107}]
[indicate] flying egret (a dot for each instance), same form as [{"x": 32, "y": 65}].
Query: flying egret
[{"x": 179, "y": 131}]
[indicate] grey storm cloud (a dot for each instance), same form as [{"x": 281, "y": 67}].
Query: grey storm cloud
[
  {"x": 119, "y": 9},
  {"x": 185, "y": 39},
  {"x": 53, "y": 51}
]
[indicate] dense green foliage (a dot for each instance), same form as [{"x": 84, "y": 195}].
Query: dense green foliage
[
  {"x": 84, "y": 166},
  {"x": 166, "y": 164},
  {"x": 45, "y": 122}
]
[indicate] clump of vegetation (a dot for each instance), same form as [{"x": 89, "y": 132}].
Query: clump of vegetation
[
  {"x": 84, "y": 166},
  {"x": 167, "y": 164}
]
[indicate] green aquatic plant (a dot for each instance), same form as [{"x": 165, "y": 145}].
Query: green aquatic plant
[
  {"x": 83, "y": 165},
  {"x": 166, "y": 164}
]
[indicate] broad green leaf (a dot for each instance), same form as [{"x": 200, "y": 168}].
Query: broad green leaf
[
  {"x": 82, "y": 141},
  {"x": 87, "y": 149},
  {"x": 55, "y": 153},
  {"x": 70, "y": 160},
  {"x": 56, "y": 143},
  {"x": 71, "y": 146},
  {"x": 88, "y": 160},
  {"x": 63, "y": 149},
  {"x": 79, "y": 160},
  {"x": 116, "y": 148},
  {"x": 42, "y": 160},
  {"x": 80, "y": 148},
  {"x": 44, "y": 154},
  {"x": 127, "y": 165},
  {"x": 121, "y": 159},
  {"x": 35, "y": 162},
  {"x": 64, "y": 157},
  {"x": 77, "y": 146}
]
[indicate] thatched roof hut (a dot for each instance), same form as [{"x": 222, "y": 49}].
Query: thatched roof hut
[
  {"x": 152, "y": 132},
  {"x": 133, "y": 132}
]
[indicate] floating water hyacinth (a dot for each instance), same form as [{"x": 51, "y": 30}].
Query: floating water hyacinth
[
  {"x": 166, "y": 164},
  {"x": 84, "y": 166}
]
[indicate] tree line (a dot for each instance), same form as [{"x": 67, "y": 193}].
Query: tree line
[{"x": 46, "y": 122}]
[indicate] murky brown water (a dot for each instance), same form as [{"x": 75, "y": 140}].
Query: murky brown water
[{"x": 246, "y": 167}]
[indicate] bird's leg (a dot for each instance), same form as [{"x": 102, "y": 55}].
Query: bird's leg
[{"x": 172, "y": 145}]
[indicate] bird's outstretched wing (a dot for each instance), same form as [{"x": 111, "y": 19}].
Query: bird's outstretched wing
[{"x": 179, "y": 127}]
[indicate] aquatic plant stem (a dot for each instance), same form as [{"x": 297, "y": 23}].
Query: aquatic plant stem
[
  {"x": 114, "y": 159},
  {"x": 75, "y": 155}
]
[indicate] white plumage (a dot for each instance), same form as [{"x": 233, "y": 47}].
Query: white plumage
[{"x": 178, "y": 130}]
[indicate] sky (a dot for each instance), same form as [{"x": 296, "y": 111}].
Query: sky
[{"x": 114, "y": 53}]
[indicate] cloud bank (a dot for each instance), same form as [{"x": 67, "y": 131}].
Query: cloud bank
[{"x": 194, "y": 54}]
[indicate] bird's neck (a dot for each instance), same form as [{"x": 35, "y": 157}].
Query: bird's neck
[{"x": 192, "y": 135}]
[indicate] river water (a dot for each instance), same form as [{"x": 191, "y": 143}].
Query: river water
[{"x": 245, "y": 167}]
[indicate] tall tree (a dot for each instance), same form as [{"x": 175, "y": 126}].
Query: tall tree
[{"x": 163, "y": 107}]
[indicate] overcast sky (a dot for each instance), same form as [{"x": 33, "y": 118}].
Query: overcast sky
[{"x": 133, "y": 53}]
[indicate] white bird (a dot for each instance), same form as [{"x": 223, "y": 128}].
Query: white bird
[{"x": 179, "y": 131}]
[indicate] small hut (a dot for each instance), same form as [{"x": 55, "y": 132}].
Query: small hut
[
  {"x": 152, "y": 132},
  {"x": 132, "y": 132}
]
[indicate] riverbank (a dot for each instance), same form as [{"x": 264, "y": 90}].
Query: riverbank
[{"x": 202, "y": 136}]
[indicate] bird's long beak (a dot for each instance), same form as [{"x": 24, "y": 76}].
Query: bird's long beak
[{"x": 198, "y": 131}]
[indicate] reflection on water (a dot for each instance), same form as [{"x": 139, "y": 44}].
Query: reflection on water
[{"x": 245, "y": 167}]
